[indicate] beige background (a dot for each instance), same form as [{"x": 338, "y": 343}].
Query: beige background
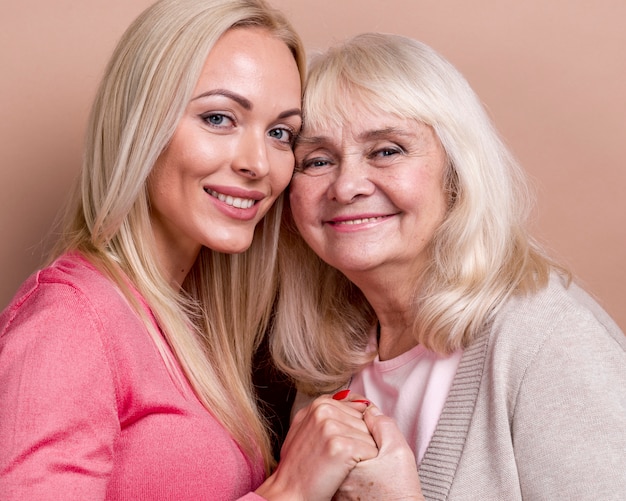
[{"x": 551, "y": 73}]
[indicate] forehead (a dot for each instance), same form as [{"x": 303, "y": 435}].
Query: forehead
[
  {"x": 251, "y": 58},
  {"x": 366, "y": 124},
  {"x": 350, "y": 108}
]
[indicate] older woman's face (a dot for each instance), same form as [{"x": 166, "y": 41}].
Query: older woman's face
[{"x": 369, "y": 196}]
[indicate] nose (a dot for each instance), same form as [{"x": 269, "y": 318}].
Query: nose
[
  {"x": 251, "y": 155},
  {"x": 351, "y": 180}
]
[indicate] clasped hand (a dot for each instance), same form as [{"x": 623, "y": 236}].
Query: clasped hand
[
  {"x": 344, "y": 450},
  {"x": 392, "y": 474}
]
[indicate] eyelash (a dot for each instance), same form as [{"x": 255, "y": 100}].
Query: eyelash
[
  {"x": 210, "y": 116},
  {"x": 310, "y": 164},
  {"x": 384, "y": 152},
  {"x": 290, "y": 132}
]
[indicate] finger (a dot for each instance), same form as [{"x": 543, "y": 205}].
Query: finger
[
  {"x": 346, "y": 417},
  {"x": 323, "y": 437},
  {"x": 350, "y": 396},
  {"x": 325, "y": 417},
  {"x": 382, "y": 428},
  {"x": 387, "y": 435},
  {"x": 351, "y": 403}
]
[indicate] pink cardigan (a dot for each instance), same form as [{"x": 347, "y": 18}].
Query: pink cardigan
[{"x": 88, "y": 409}]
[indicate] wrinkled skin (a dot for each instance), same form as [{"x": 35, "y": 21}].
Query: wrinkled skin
[
  {"x": 327, "y": 439},
  {"x": 391, "y": 475}
]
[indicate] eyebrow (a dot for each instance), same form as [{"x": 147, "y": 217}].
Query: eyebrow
[
  {"x": 290, "y": 113},
  {"x": 368, "y": 135},
  {"x": 242, "y": 101},
  {"x": 311, "y": 140},
  {"x": 245, "y": 103}
]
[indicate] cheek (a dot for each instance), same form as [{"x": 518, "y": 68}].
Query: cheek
[
  {"x": 305, "y": 201},
  {"x": 159, "y": 180},
  {"x": 282, "y": 170}
]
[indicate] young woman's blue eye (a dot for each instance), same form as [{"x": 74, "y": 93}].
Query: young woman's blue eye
[
  {"x": 218, "y": 119},
  {"x": 283, "y": 134}
]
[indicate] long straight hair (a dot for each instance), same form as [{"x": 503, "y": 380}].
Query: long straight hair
[
  {"x": 213, "y": 326},
  {"x": 480, "y": 255}
]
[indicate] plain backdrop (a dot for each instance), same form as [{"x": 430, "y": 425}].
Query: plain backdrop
[{"x": 552, "y": 75}]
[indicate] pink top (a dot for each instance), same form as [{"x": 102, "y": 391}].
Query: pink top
[
  {"x": 88, "y": 409},
  {"x": 412, "y": 389}
]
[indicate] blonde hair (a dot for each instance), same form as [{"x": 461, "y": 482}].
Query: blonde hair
[
  {"x": 214, "y": 326},
  {"x": 481, "y": 254}
]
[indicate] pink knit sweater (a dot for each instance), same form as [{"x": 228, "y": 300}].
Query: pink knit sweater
[{"x": 88, "y": 409}]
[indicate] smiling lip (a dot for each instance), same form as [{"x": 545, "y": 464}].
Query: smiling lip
[
  {"x": 235, "y": 203},
  {"x": 235, "y": 197},
  {"x": 357, "y": 220}
]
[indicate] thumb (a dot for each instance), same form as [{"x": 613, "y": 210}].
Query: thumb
[
  {"x": 383, "y": 428},
  {"x": 375, "y": 422}
]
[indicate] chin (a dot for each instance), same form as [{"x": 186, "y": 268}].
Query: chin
[
  {"x": 229, "y": 240},
  {"x": 234, "y": 247}
]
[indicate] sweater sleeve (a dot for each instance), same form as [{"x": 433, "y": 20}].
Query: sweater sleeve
[
  {"x": 58, "y": 407},
  {"x": 569, "y": 426}
]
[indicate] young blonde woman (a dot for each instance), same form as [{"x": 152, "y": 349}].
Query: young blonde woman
[
  {"x": 125, "y": 365},
  {"x": 408, "y": 276}
]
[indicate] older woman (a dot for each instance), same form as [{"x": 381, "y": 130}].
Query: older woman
[{"x": 430, "y": 298}]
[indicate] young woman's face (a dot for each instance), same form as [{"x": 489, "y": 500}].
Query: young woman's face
[
  {"x": 231, "y": 155},
  {"x": 369, "y": 197}
]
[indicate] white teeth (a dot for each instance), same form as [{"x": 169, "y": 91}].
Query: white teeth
[
  {"x": 240, "y": 203},
  {"x": 360, "y": 221}
]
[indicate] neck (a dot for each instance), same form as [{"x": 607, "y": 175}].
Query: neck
[
  {"x": 394, "y": 339},
  {"x": 391, "y": 296}
]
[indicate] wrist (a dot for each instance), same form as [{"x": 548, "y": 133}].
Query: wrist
[{"x": 274, "y": 489}]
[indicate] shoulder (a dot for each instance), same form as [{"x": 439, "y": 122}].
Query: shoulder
[
  {"x": 68, "y": 319},
  {"x": 559, "y": 313},
  {"x": 70, "y": 275},
  {"x": 559, "y": 336},
  {"x": 70, "y": 302},
  {"x": 566, "y": 376}
]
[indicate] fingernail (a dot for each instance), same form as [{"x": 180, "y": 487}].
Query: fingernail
[
  {"x": 340, "y": 395},
  {"x": 360, "y": 401}
]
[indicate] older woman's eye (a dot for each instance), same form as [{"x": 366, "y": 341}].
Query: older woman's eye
[
  {"x": 384, "y": 152},
  {"x": 315, "y": 163},
  {"x": 314, "y": 166}
]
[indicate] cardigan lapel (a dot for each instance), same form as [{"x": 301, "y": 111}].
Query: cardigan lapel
[{"x": 443, "y": 454}]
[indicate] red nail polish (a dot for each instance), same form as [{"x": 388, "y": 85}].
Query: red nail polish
[
  {"x": 366, "y": 402},
  {"x": 340, "y": 395}
]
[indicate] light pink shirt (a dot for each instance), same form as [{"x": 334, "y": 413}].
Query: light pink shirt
[{"x": 412, "y": 389}]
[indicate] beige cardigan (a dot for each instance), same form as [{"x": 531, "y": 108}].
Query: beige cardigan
[{"x": 537, "y": 409}]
